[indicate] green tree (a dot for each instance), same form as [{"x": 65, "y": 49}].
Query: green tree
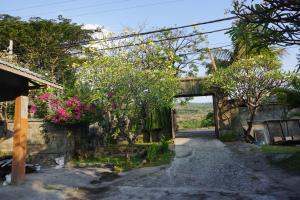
[
  {"x": 245, "y": 45},
  {"x": 290, "y": 95},
  {"x": 45, "y": 46},
  {"x": 278, "y": 19},
  {"x": 126, "y": 93},
  {"x": 250, "y": 81},
  {"x": 159, "y": 49}
]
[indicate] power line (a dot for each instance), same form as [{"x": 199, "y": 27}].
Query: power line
[
  {"x": 82, "y": 7},
  {"x": 204, "y": 49},
  {"x": 147, "y": 42},
  {"x": 126, "y": 8},
  {"x": 40, "y": 5},
  {"x": 165, "y": 39},
  {"x": 159, "y": 30},
  {"x": 164, "y": 29}
]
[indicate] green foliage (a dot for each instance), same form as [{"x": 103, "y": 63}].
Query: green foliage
[
  {"x": 277, "y": 20},
  {"x": 164, "y": 144},
  {"x": 126, "y": 93},
  {"x": 119, "y": 163},
  {"x": 44, "y": 45},
  {"x": 194, "y": 115},
  {"x": 290, "y": 95},
  {"x": 291, "y": 163},
  {"x": 229, "y": 136},
  {"x": 245, "y": 43},
  {"x": 152, "y": 152},
  {"x": 250, "y": 82},
  {"x": 159, "y": 119},
  {"x": 208, "y": 121},
  {"x": 279, "y": 149}
]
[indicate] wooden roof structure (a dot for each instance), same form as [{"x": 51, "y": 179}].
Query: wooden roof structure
[
  {"x": 15, "y": 79},
  {"x": 15, "y": 83}
]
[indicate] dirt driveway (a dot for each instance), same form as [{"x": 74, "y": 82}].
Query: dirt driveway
[{"x": 203, "y": 168}]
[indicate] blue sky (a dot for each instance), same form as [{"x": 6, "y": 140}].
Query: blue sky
[{"x": 114, "y": 15}]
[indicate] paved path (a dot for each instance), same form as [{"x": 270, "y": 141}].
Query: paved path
[{"x": 203, "y": 168}]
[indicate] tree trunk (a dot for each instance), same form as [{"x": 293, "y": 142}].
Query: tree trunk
[{"x": 248, "y": 137}]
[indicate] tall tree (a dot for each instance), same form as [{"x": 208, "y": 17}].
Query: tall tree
[
  {"x": 158, "y": 49},
  {"x": 45, "y": 46},
  {"x": 279, "y": 19},
  {"x": 126, "y": 93},
  {"x": 245, "y": 44},
  {"x": 250, "y": 81}
]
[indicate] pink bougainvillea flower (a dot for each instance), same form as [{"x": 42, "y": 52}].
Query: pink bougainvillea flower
[
  {"x": 61, "y": 111},
  {"x": 33, "y": 109},
  {"x": 77, "y": 108},
  {"x": 75, "y": 100},
  {"x": 54, "y": 103},
  {"x": 68, "y": 103},
  {"x": 44, "y": 97}
]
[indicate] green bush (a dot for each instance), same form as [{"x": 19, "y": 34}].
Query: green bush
[
  {"x": 229, "y": 136},
  {"x": 164, "y": 144},
  {"x": 152, "y": 152},
  {"x": 208, "y": 121}
]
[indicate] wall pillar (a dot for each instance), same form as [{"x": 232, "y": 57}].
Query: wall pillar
[
  {"x": 216, "y": 115},
  {"x": 174, "y": 124},
  {"x": 20, "y": 139}
]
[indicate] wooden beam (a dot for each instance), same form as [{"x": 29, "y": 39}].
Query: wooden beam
[
  {"x": 27, "y": 74},
  {"x": 20, "y": 139}
]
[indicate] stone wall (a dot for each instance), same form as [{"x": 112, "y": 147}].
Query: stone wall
[
  {"x": 238, "y": 122},
  {"x": 267, "y": 112},
  {"x": 46, "y": 141}
]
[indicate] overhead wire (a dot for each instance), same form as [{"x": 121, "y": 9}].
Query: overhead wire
[
  {"x": 82, "y": 7},
  {"x": 126, "y": 8},
  {"x": 39, "y": 6},
  {"x": 119, "y": 37}
]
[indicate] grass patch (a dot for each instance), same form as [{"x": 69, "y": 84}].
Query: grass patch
[
  {"x": 120, "y": 163},
  {"x": 291, "y": 163},
  {"x": 229, "y": 136},
  {"x": 279, "y": 149},
  {"x": 190, "y": 124}
]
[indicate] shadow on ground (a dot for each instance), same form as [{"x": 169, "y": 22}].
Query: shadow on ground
[{"x": 203, "y": 168}]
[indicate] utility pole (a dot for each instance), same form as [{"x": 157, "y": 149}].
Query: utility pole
[
  {"x": 11, "y": 50},
  {"x": 213, "y": 62},
  {"x": 10, "y": 47}
]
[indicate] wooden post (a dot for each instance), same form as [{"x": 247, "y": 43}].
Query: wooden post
[{"x": 20, "y": 139}]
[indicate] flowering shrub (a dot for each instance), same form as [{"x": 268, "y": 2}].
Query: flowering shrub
[{"x": 68, "y": 110}]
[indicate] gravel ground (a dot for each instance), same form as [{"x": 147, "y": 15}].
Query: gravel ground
[{"x": 203, "y": 168}]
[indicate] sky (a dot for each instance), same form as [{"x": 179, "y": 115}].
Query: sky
[{"x": 115, "y": 15}]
